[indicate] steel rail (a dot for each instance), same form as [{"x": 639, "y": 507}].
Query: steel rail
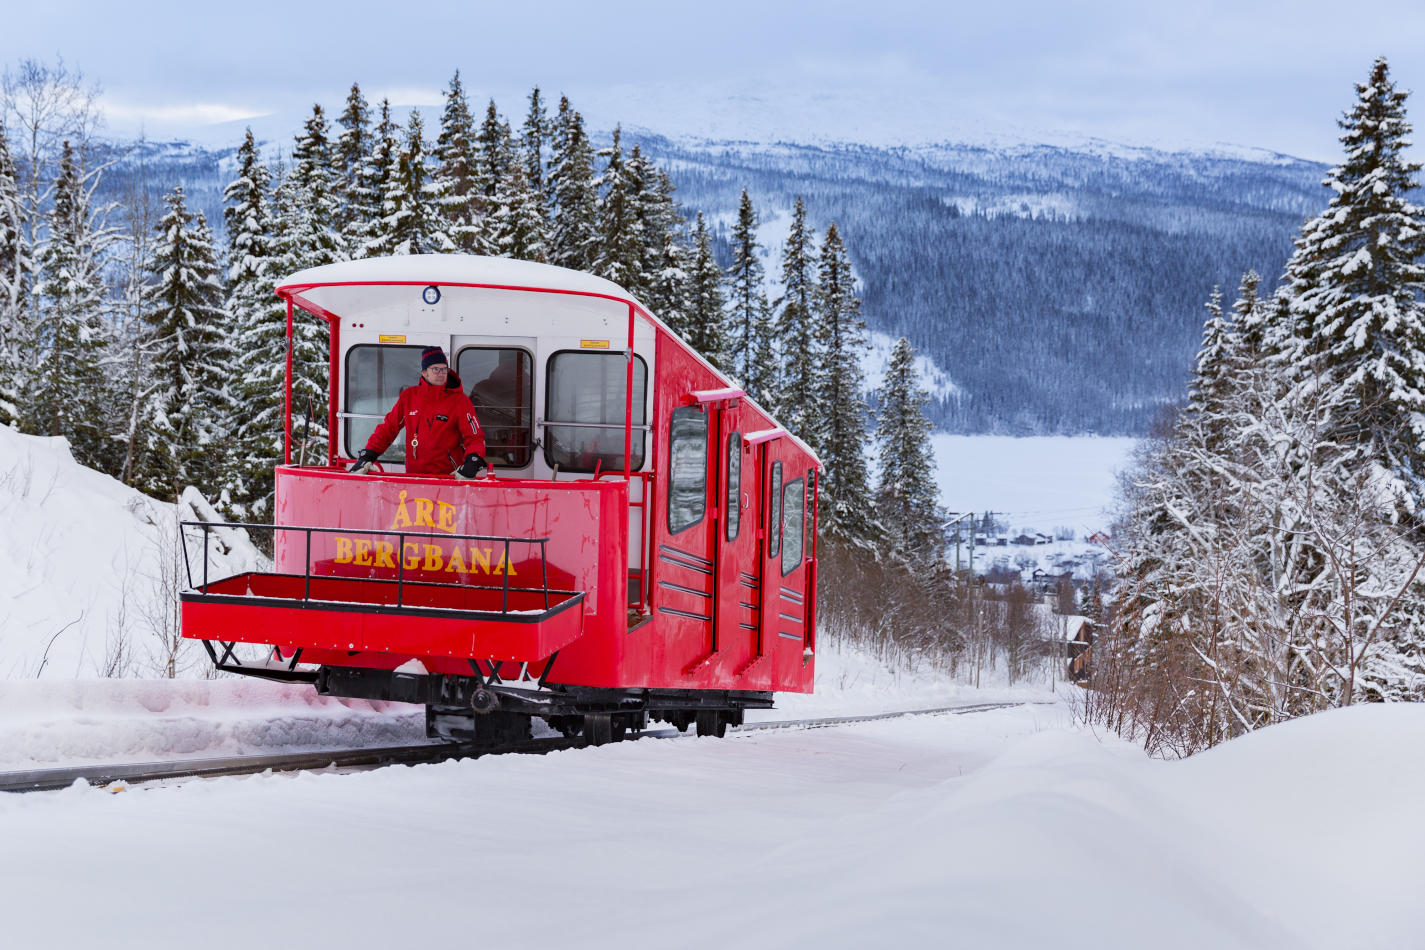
[{"x": 133, "y": 773}]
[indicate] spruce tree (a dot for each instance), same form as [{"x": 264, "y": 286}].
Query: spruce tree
[
  {"x": 519, "y": 227},
  {"x": 620, "y": 250},
  {"x": 798, "y": 406},
  {"x": 258, "y": 321},
  {"x": 494, "y": 152},
  {"x": 65, "y": 392},
  {"x": 845, "y": 491},
  {"x": 459, "y": 191},
  {"x": 185, "y": 414},
  {"x": 574, "y": 234},
  {"x": 14, "y": 266},
  {"x": 704, "y": 324},
  {"x": 907, "y": 496},
  {"x": 349, "y": 187},
  {"x": 534, "y": 142},
  {"x": 380, "y": 171},
  {"x": 413, "y": 223},
  {"x": 1355, "y": 285},
  {"x": 750, "y": 341}
]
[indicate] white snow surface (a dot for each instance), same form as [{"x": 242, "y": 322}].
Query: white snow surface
[
  {"x": 88, "y": 565},
  {"x": 1011, "y": 828},
  {"x": 1037, "y": 482}
]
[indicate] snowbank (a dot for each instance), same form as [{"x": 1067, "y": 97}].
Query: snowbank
[
  {"x": 1006, "y": 829},
  {"x": 89, "y": 568},
  {"x": 50, "y": 724}
]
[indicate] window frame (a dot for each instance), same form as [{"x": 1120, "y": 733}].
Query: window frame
[
  {"x": 642, "y": 429},
  {"x": 801, "y": 554},
  {"x": 733, "y": 515},
  {"x": 688, "y": 412},
  {"x": 774, "y": 511},
  {"x": 345, "y": 415},
  {"x": 532, "y": 436}
]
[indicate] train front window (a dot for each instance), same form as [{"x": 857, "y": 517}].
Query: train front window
[
  {"x": 584, "y": 406},
  {"x": 500, "y": 383},
  {"x": 375, "y": 376}
]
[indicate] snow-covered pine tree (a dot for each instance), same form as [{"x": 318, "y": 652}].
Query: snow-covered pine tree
[
  {"x": 845, "y": 491},
  {"x": 14, "y": 267},
  {"x": 799, "y": 383},
  {"x": 186, "y": 411},
  {"x": 304, "y": 238},
  {"x": 459, "y": 191},
  {"x": 258, "y": 321},
  {"x": 494, "y": 151},
  {"x": 1356, "y": 289},
  {"x": 519, "y": 225},
  {"x": 705, "y": 316},
  {"x": 907, "y": 496},
  {"x": 620, "y": 248},
  {"x": 750, "y": 343},
  {"x": 414, "y": 223},
  {"x": 349, "y": 185},
  {"x": 381, "y": 168},
  {"x": 534, "y": 145},
  {"x": 575, "y": 206},
  {"x": 65, "y": 392}
]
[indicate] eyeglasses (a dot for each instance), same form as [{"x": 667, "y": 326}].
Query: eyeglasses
[{"x": 437, "y": 369}]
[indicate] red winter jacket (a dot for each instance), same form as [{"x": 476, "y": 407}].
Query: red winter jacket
[{"x": 440, "y": 427}]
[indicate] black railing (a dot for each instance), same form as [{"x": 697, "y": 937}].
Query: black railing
[{"x": 400, "y": 536}]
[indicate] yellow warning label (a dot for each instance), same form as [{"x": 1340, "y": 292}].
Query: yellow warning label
[
  {"x": 593, "y": 344},
  {"x": 393, "y": 338}
]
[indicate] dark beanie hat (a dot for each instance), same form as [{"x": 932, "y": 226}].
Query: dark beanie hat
[{"x": 432, "y": 356}]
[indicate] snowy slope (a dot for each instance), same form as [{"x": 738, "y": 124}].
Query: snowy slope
[
  {"x": 1005, "y": 829},
  {"x": 89, "y": 568}
]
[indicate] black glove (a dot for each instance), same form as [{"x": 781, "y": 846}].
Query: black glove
[
  {"x": 471, "y": 467},
  {"x": 364, "y": 460}
]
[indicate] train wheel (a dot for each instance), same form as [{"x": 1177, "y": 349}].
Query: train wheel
[
  {"x": 619, "y": 729},
  {"x": 599, "y": 728},
  {"x": 711, "y": 723}
]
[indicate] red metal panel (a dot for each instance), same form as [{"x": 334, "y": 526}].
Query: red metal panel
[{"x": 346, "y": 614}]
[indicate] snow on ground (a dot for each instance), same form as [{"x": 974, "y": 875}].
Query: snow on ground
[
  {"x": 89, "y": 568},
  {"x": 1009, "y": 829},
  {"x": 55, "y": 723}
]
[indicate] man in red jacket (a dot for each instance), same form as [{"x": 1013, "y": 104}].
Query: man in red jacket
[{"x": 441, "y": 431}]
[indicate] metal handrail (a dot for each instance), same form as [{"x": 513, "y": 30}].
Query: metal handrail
[{"x": 401, "y": 536}]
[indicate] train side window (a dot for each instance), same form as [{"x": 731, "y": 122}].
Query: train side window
[
  {"x": 734, "y": 485},
  {"x": 375, "y": 376},
  {"x": 500, "y": 382},
  {"x": 687, "y": 468},
  {"x": 793, "y": 524},
  {"x": 774, "y": 512},
  {"x": 584, "y": 408}
]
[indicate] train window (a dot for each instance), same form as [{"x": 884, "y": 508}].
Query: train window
[
  {"x": 687, "y": 468},
  {"x": 734, "y": 484},
  {"x": 774, "y": 512},
  {"x": 375, "y": 376},
  {"x": 793, "y": 524},
  {"x": 584, "y": 407},
  {"x": 500, "y": 382}
]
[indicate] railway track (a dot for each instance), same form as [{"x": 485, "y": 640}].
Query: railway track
[{"x": 134, "y": 773}]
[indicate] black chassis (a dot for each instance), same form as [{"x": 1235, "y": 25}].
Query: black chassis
[{"x": 483, "y": 694}]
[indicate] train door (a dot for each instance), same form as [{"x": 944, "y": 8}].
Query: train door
[
  {"x": 687, "y": 569},
  {"x": 739, "y": 584},
  {"x": 784, "y": 560}
]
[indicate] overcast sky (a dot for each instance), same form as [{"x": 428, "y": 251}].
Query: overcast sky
[{"x": 1271, "y": 75}]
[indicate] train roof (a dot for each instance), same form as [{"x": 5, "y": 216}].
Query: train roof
[{"x": 455, "y": 269}]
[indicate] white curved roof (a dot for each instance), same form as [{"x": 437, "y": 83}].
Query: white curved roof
[{"x": 455, "y": 269}]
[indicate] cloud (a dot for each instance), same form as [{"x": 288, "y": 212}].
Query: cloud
[{"x": 178, "y": 114}]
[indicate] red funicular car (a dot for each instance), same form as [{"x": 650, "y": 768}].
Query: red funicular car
[{"x": 644, "y": 545}]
